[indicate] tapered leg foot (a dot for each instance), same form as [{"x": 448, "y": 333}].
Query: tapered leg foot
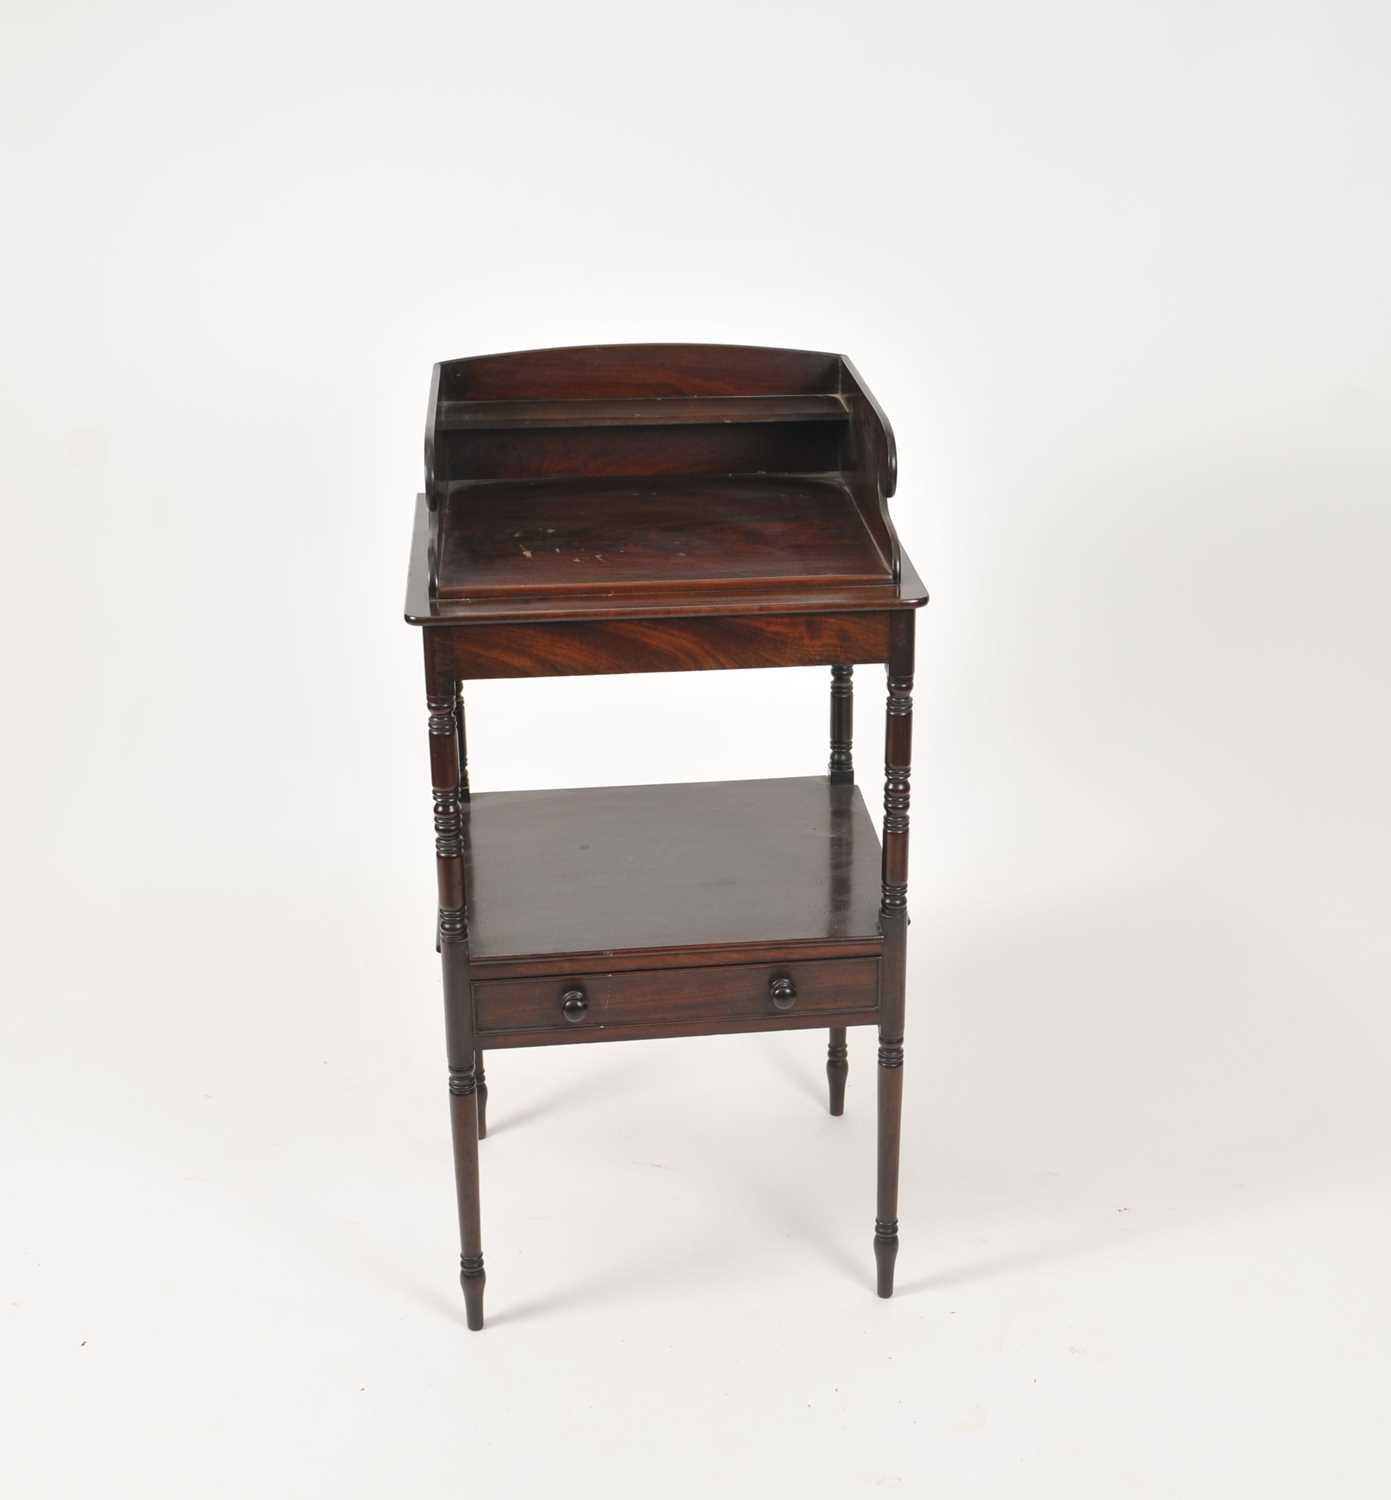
[
  {"x": 837, "y": 1068},
  {"x": 890, "y": 1121},
  {"x": 463, "y": 1102},
  {"x": 885, "y": 1253},
  {"x": 893, "y": 922},
  {"x": 472, "y": 1278},
  {"x": 482, "y": 1096}
]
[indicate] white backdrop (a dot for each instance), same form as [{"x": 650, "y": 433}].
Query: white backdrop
[{"x": 1118, "y": 274}]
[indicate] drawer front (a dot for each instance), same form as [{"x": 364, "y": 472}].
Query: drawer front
[{"x": 735, "y": 992}]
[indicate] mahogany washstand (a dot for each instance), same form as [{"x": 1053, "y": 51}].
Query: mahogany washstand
[{"x": 658, "y": 508}]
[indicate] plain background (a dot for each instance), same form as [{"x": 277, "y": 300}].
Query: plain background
[{"x": 1118, "y": 273}]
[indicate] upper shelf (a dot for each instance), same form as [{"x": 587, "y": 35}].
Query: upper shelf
[
  {"x": 643, "y": 480},
  {"x": 651, "y": 411}
]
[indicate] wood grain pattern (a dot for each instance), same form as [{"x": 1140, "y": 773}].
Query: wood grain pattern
[
  {"x": 765, "y": 428},
  {"x": 645, "y": 868},
  {"x": 556, "y": 537},
  {"x": 596, "y": 647},
  {"x": 657, "y": 602},
  {"x": 654, "y": 996},
  {"x": 649, "y": 508}
]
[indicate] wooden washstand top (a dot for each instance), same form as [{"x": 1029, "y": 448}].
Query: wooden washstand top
[{"x": 654, "y": 480}]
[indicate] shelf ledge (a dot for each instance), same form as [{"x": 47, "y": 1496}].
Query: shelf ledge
[{"x": 651, "y": 411}]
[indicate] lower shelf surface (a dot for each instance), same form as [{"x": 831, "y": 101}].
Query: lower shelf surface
[{"x": 649, "y": 876}]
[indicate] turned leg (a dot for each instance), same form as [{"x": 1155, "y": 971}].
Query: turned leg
[
  {"x": 837, "y": 1068},
  {"x": 445, "y": 771},
  {"x": 842, "y": 767},
  {"x": 482, "y": 1096},
  {"x": 463, "y": 1121},
  {"x": 893, "y": 918},
  {"x": 842, "y": 773},
  {"x": 890, "y": 1129},
  {"x": 462, "y": 740}
]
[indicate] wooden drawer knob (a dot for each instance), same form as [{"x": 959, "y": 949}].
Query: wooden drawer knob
[
  {"x": 573, "y": 1005},
  {"x": 782, "y": 992}
]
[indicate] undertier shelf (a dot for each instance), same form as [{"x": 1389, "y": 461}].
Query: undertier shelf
[{"x": 696, "y": 867}]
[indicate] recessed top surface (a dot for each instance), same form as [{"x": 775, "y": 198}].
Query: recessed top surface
[
  {"x": 602, "y": 869},
  {"x": 610, "y": 535}
]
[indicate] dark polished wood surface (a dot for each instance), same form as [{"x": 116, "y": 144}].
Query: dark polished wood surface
[
  {"x": 601, "y": 870},
  {"x": 669, "y": 470},
  {"x": 560, "y": 537},
  {"x": 652, "y": 508},
  {"x": 623, "y": 371},
  {"x": 666, "y": 644},
  {"x": 814, "y": 990},
  {"x": 655, "y": 601},
  {"x": 637, "y": 411}
]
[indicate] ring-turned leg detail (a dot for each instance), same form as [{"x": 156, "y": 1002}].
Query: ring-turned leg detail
[
  {"x": 446, "y": 775},
  {"x": 482, "y": 1096},
  {"x": 837, "y": 1068},
  {"x": 842, "y": 773},
  {"x": 842, "y": 766},
  {"x": 893, "y": 922}
]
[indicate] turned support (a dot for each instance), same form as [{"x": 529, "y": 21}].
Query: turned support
[
  {"x": 837, "y": 1068},
  {"x": 890, "y": 1122},
  {"x": 842, "y": 767},
  {"x": 446, "y": 775},
  {"x": 893, "y": 920},
  {"x": 461, "y": 740},
  {"x": 842, "y": 773},
  {"x": 463, "y": 1121}
]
